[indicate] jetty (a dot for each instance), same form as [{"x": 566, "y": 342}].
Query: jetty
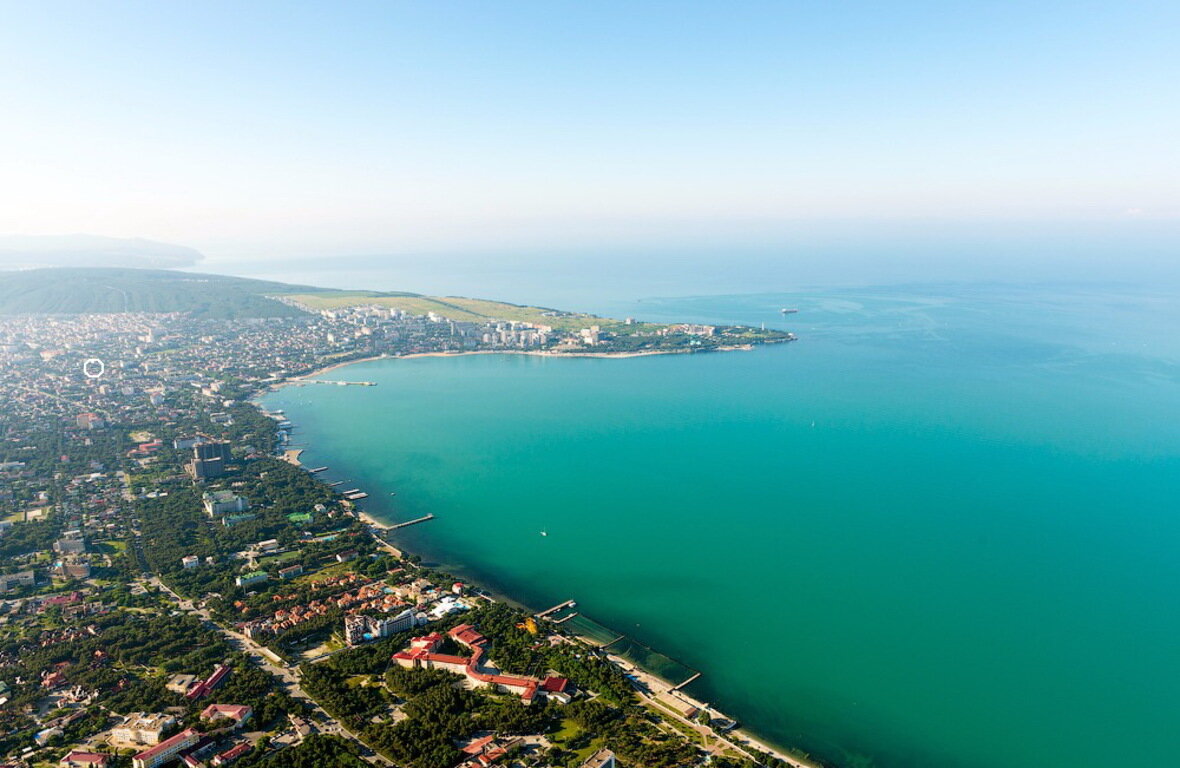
[
  {"x": 560, "y": 606},
  {"x": 355, "y": 495},
  {"x": 317, "y": 469},
  {"x": 337, "y": 383},
  {"x": 686, "y": 682},
  {"x": 564, "y": 619},
  {"x": 335, "y": 483},
  {"x": 408, "y": 523}
]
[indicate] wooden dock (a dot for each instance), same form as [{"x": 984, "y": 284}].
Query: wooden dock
[
  {"x": 550, "y": 611},
  {"x": 686, "y": 682},
  {"x": 408, "y": 523}
]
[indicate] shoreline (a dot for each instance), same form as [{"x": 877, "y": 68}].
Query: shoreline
[
  {"x": 530, "y": 353},
  {"x": 740, "y": 738}
]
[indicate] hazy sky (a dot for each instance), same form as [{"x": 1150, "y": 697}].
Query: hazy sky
[{"x": 299, "y": 129}]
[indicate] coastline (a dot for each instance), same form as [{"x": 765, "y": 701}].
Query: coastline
[
  {"x": 654, "y": 691},
  {"x": 531, "y": 353},
  {"x": 740, "y": 738}
]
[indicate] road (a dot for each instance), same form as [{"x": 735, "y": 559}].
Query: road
[{"x": 288, "y": 679}]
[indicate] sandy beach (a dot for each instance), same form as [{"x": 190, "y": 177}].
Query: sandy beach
[
  {"x": 531, "y": 353},
  {"x": 661, "y": 689}
]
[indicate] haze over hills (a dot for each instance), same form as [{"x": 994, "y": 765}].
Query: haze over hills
[
  {"x": 98, "y": 290},
  {"x": 94, "y": 290},
  {"x": 33, "y": 251}
]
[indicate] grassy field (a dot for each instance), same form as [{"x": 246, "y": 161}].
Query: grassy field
[{"x": 462, "y": 309}]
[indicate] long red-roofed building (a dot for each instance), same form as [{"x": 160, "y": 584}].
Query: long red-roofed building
[
  {"x": 421, "y": 655},
  {"x": 167, "y": 749}
]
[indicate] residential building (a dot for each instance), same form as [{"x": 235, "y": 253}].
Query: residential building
[
  {"x": 10, "y": 581},
  {"x": 70, "y": 546},
  {"x": 238, "y": 713},
  {"x": 166, "y": 750},
  {"x": 143, "y": 728},
  {"x": 212, "y": 450},
  {"x": 218, "y": 503},
  {"x": 603, "y": 758},
  {"x": 360, "y": 629},
  {"x": 205, "y": 469},
  {"x": 253, "y": 577},
  {"x": 231, "y": 754},
  {"x": 291, "y": 571}
]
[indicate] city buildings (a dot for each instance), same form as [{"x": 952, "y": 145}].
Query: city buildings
[
  {"x": 361, "y": 629},
  {"x": 238, "y": 713},
  {"x": 166, "y": 750},
  {"x": 218, "y": 503},
  {"x": 143, "y": 728}
]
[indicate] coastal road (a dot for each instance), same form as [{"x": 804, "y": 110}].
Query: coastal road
[{"x": 650, "y": 688}]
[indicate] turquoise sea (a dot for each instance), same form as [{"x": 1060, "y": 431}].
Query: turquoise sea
[{"x": 941, "y": 530}]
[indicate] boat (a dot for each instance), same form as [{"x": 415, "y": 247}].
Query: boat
[
  {"x": 544, "y": 533},
  {"x": 788, "y": 311}
]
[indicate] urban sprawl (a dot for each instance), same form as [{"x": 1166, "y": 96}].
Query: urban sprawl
[{"x": 173, "y": 591}]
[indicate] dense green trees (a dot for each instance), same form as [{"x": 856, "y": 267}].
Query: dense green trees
[{"x": 316, "y": 751}]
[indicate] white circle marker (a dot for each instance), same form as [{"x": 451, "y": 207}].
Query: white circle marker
[{"x": 89, "y": 366}]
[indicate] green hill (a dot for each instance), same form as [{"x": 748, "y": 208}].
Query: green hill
[
  {"x": 99, "y": 290},
  {"x": 78, "y": 290},
  {"x": 86, "y": 290}
]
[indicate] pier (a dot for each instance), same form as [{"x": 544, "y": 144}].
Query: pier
[
  {"x": 336, "y": 483},
  {"x": 408, "y": 523},
  {"x": 337, "y": 383},
  {"x": 550, "y": 611},
  {"x": 317, "y": 469},
  {"x": 564, "y": 619},
  {"x": 686, "y": 682}
]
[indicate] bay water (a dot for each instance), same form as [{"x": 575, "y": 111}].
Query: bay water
[{"x": 940, "y": 530}]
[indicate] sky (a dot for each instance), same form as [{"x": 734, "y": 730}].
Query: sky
[{"x": 308, "y": 130}]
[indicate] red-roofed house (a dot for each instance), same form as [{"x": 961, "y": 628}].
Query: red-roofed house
[
  {"x": 421, "y": 655},
  {"x": 465, "y": 634},
  {"x": 557, "y": 688},
  {"x": 239, "y": 713},
  {"x": 231, "y": 754},
  {"x": 206, "y": 686},
  {"x": 77, "y": 759},
  {"x": 166, "y": 750}
]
